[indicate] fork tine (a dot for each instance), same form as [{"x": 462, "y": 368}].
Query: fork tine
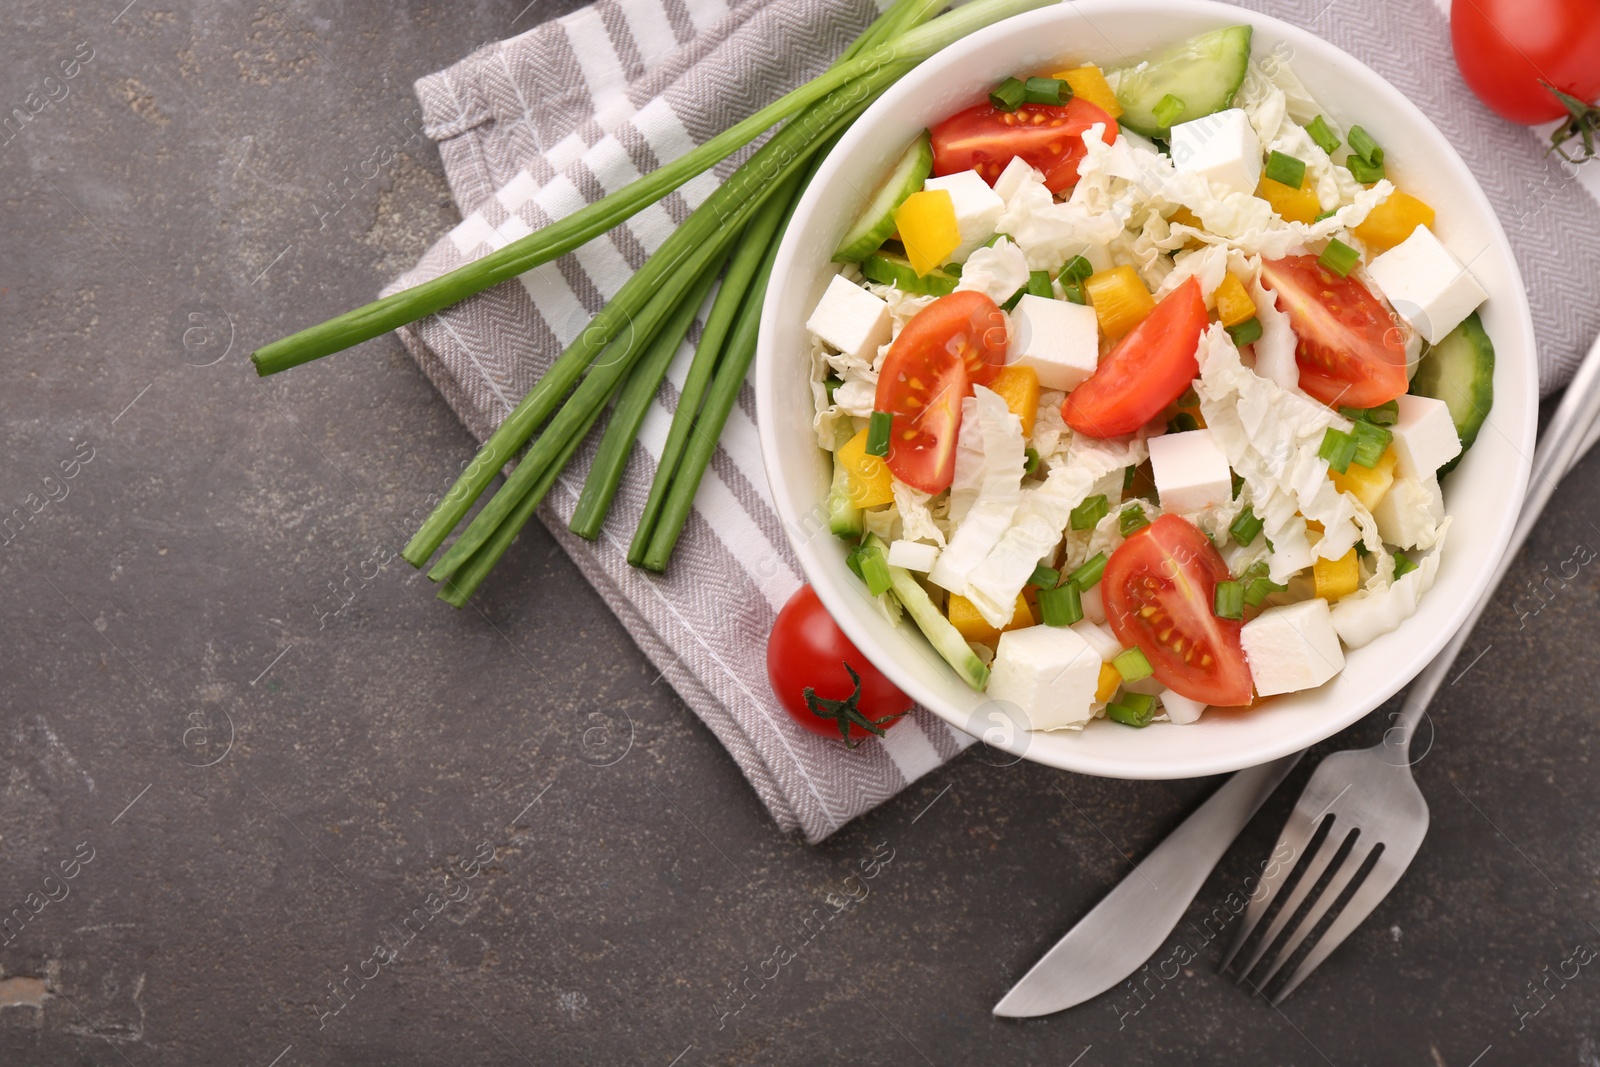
[
  {"x": 1312, "y": 867},
  {"x": 1297, "y": 833},
  {"x": 1380, "y": 880},
  {"x": 1319, "y": 909}
]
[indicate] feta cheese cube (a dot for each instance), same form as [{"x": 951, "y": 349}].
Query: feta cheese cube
[
  {"x": 1222, "y": 147},
  {"x": 978, "y": 209},
  {"x": 913, "y": 555},
  {"x": 1018, "y": 173},
  {"x": 1048, "y": 673},
  {"x": 1409, "y": 514},
  {"x": 1292, "y": 647},
  {"x": 1099, "y": 637},
  {"x": 1427, "y": 284},
  {"x": 1424, "y": 436},
  {"x": 1060, "y": 340},
  {"x": 1191, "y": 471},
  {"x": 1180, "y": 709},
  {"x": 851, "y": 319}
]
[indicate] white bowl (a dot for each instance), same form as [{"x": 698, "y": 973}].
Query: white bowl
[{"x": 1483, "y": 494}]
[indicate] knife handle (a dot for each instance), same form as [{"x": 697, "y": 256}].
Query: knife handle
[{"x": 1181, "y": 863}]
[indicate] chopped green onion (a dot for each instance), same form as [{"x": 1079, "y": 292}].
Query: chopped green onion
[
  {"x": 1046, "y": 91},
  {"x": 1238, "y": 484},
  {"x": 1286, "y": 170},
  {"x": 1009, "y": 95},
  {"x": 1364, "y": 172},
  {"x": 1257, "y": 586},
  {"x": 1039, "y": 283},
  {"x": 1073, "y": 291},
  {"x": 1045, "y": 577},
  {"x": 1075, "y": 269},
  {"x": 1012, "y": 300},
  {"x": 1402, "y": 565},
  {"x": 1371, "y": 443},
  {"x": 1061, "y": 606},
  {"x": 1088, "y": 514},
  {"x": 1362, "y": 552},
  {"x": 1363, "y": 146},
  {"x": 1246, "y": 528},
  {"x": 1339, "y": 257},
  {"x": 952, "y": 269},
  {"x": 1247, "y": 332},
  {"x": 1182, "y": 422},
  {"x": 1228, "y": 602},
  {"x": 1322, "y": 133},
  {"x": 1128, "y": 475},
  {"x": 1382, "y": 415},
  {"x": 1338, "y": 448},
  {"x": 1089, "y": 572},
  {"x": 1133, "y": 709},
  {"x": 831, "y": 386},
  {"x": 1132, "y": 665},
  {"x": 1030, "y": 460},
  {"x": 1326, "y": 215},
  {"x": 878, "y": 433},
  {"x": 853, "y": 561},
  {"x": 1167, "y": 109},
  {"x": 1132, "y": 520},
  {"x": 873, "y": 567}
]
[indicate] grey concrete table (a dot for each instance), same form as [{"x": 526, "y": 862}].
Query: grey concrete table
[{"x": 240, "y": 826}]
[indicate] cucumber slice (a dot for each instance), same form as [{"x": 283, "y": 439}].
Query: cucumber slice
[
  {"x": 1204, "y": 72},
  {"x": 945, "y": 638},
  {"x": 1460, "y": 371},
  {"x": 877, "y": 221},
  {"x": 844, "y": 518},
  {"x": 888, "y": 268}
]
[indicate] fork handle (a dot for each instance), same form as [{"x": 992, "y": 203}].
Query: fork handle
[{"x": 1572, "y": 431}]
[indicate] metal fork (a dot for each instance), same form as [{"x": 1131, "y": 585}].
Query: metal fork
[{"x": 1376, "y": 816}]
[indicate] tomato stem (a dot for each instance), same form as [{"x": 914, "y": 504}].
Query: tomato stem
[
  {"x": 1582, "y": 122},
  {"x": 846, "y": 712}
]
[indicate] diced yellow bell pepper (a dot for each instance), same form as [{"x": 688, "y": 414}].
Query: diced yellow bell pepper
[
  {"x": 1110, "y": 679},
  {"x": 1018, "y": 386},
  {"x": 868, "y": 477},
  {"x": 974, "y": 627},
  {"x": 1335, "y": 578},
  {"x": 1119, "y": 298},
  {"x": 1233, "y": 303},
  {"x": 1291, "y": 204},
  {"x": 1184, "y": 217},
  {"x": 926, "y": 222},
  {"x": 1367, "y": 484},
  {"x": 1089, "y": 83},
  {"x": 1393, "y": 220}
]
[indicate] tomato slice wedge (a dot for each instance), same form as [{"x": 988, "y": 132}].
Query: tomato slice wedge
[
  {"x": 1147, "y": 370},
  {"x": 1159, "y": 588},
  {"x": 1350, "y": 352},
  {"x": 1049, "y": 136},
  {"x": 954, "y": 343}
]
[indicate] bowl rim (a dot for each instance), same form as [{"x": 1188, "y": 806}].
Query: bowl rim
[{"x": 832, "y": 595}]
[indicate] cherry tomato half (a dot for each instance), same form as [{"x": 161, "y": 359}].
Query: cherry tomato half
[
  {"x": 952, "y": 344},
  {"x": 1350, "y": 352},
  {"x": 809, "y": 662},
  {"x": 1159, "y": 588},
  {"x": 1049, "y": 136},
  {"x": 1147, "y": 370}
]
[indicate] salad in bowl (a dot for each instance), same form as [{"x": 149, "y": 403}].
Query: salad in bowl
[{"x": 1138, "y": 383}]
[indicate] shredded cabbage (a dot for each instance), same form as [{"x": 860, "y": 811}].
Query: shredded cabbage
[
  {"x": 997, "y": 271},
  {"x": 1383, "y": 606},
  {"x": 995, "y": 487}
]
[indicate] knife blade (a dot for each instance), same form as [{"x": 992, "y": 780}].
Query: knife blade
[{"x": 1133, "y": 920}]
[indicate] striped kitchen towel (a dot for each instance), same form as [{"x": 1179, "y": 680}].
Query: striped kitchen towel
[{"x": 536, "y": 126}]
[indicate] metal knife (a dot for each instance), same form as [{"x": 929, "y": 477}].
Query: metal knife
[{"x": 1127, "y": 927}]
